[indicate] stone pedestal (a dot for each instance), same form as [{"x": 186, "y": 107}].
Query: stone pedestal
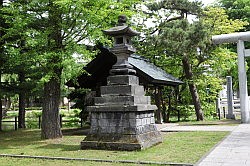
[{"x": 122, "y": 118}]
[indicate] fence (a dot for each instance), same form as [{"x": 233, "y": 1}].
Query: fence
[
  {"x": 15, "y": 122},
  {"x": 222, "y": 107}
]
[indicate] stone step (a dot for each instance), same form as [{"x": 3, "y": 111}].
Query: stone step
[
  {"x": 122, "y": 80},
  {"x": 121, "y": 108},
  {"x": 122, "y": 90},
  {"x": 122, "y": 100}
]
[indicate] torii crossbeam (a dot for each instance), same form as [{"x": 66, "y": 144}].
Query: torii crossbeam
[{"x": 239, "y": 38}]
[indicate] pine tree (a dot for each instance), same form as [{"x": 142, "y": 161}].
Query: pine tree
[{"x": 177, "y": 37}]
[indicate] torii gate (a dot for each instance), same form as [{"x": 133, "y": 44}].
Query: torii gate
[{"x": 239, "y": 38}]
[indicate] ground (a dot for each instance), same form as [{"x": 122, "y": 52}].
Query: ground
[{"x": 178, "y": 147}]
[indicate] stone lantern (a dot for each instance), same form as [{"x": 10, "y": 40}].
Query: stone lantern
[
  {"x": 122, "y": 46},
  {"x": 122, "y": 118}
]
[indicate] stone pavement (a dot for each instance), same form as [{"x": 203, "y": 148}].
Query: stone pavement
[
  {"x": 232, "y": 151},
  {"x": 173, "y": 128}
]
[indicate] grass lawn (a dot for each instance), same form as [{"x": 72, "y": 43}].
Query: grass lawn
[
  {"x": 228, "y": 122},
  {"x": 178, "y": 147},
  {"x": 7, "y": 161}
]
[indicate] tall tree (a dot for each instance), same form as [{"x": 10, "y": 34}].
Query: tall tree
[
  {"x": 1, "y": 109},
  {"x": 2, "y": 26},
  {"x": 57, "y": 29},
  {"x": 18, "y": 62},
  {"x": 50, "y": 116},
  {"x": 179, "y": 38},
  {"x": 164, "y": 44}
]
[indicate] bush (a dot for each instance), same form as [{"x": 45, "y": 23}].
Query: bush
[
  {"x": 186, "y": 111},
  {"x": 33, "y": 108},
  {"x": 209, "y": 110},
  {"x": 32, "y": 119},
  {"x": 72, "y": 118},
  {"x": 11, "y": 114},
  {"x": 77, "y": 112}
]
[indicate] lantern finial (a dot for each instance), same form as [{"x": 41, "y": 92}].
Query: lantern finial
[{"x": 122, "y": 19}]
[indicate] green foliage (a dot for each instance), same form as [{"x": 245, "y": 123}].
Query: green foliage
[
  {"x": 209, "y": 110},
  {"x": 173, "y": 35},
  {"x": 36, "y": 24},
  {"x": 33, "y": 108},
  {"x": 78, "y": 97},
  {"x": 19, "y": 71},
  {"x": 76, "y": 112},
  {"x": 32, "y": 119},
  {"x": 177, "y": 39},
  {"x": 72, "y": 123},
  {"x": 186, "y": 112},
  {"x": 71, "y": 117},
  {"x": 34, "y": 114},
  {"x": 222, "y": 61},
  {"x": 219, "y": 22},
  {"x": 12, "y": 114},
  {"x": 237, "y": 9},
  {"x": 29, "y": 33},
  {"x": 43, "y": 37}
]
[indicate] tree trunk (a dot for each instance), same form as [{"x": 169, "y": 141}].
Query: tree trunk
[
  {"x": 8, "y": 103},
  {"x": 21, "y": 115},
  {"x": 176, "y": 94},
  {"x": 1, "y": 105},
  {"x": 1, "y": 54},
  {"x": 1, "y": 114},
  {"x": 27, "y": 99},
  {"x": 169, "y": 109},
  {"x": 50, "y": 114},
  {"x": 165, "y": 116},
  {"x": 192, "y": 88},
  {"x": 158, "y": 104}
]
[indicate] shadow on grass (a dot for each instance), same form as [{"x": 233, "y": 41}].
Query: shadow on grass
[
  {"x": 11, "y": 139},
  {"x": 62, "y": 147},
  {"x": 77, "y": 131},
  {"x": 20, "y": 138}
]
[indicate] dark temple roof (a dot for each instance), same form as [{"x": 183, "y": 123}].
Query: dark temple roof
[
  {"x": 152, "y": 73},
  {"x": 99, "y": 67}
]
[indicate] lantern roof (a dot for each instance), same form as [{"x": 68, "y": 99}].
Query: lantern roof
[{"x": 121, "y": 29}]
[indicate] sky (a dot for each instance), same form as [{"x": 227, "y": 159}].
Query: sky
[{"x": 206, "y": 2}]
